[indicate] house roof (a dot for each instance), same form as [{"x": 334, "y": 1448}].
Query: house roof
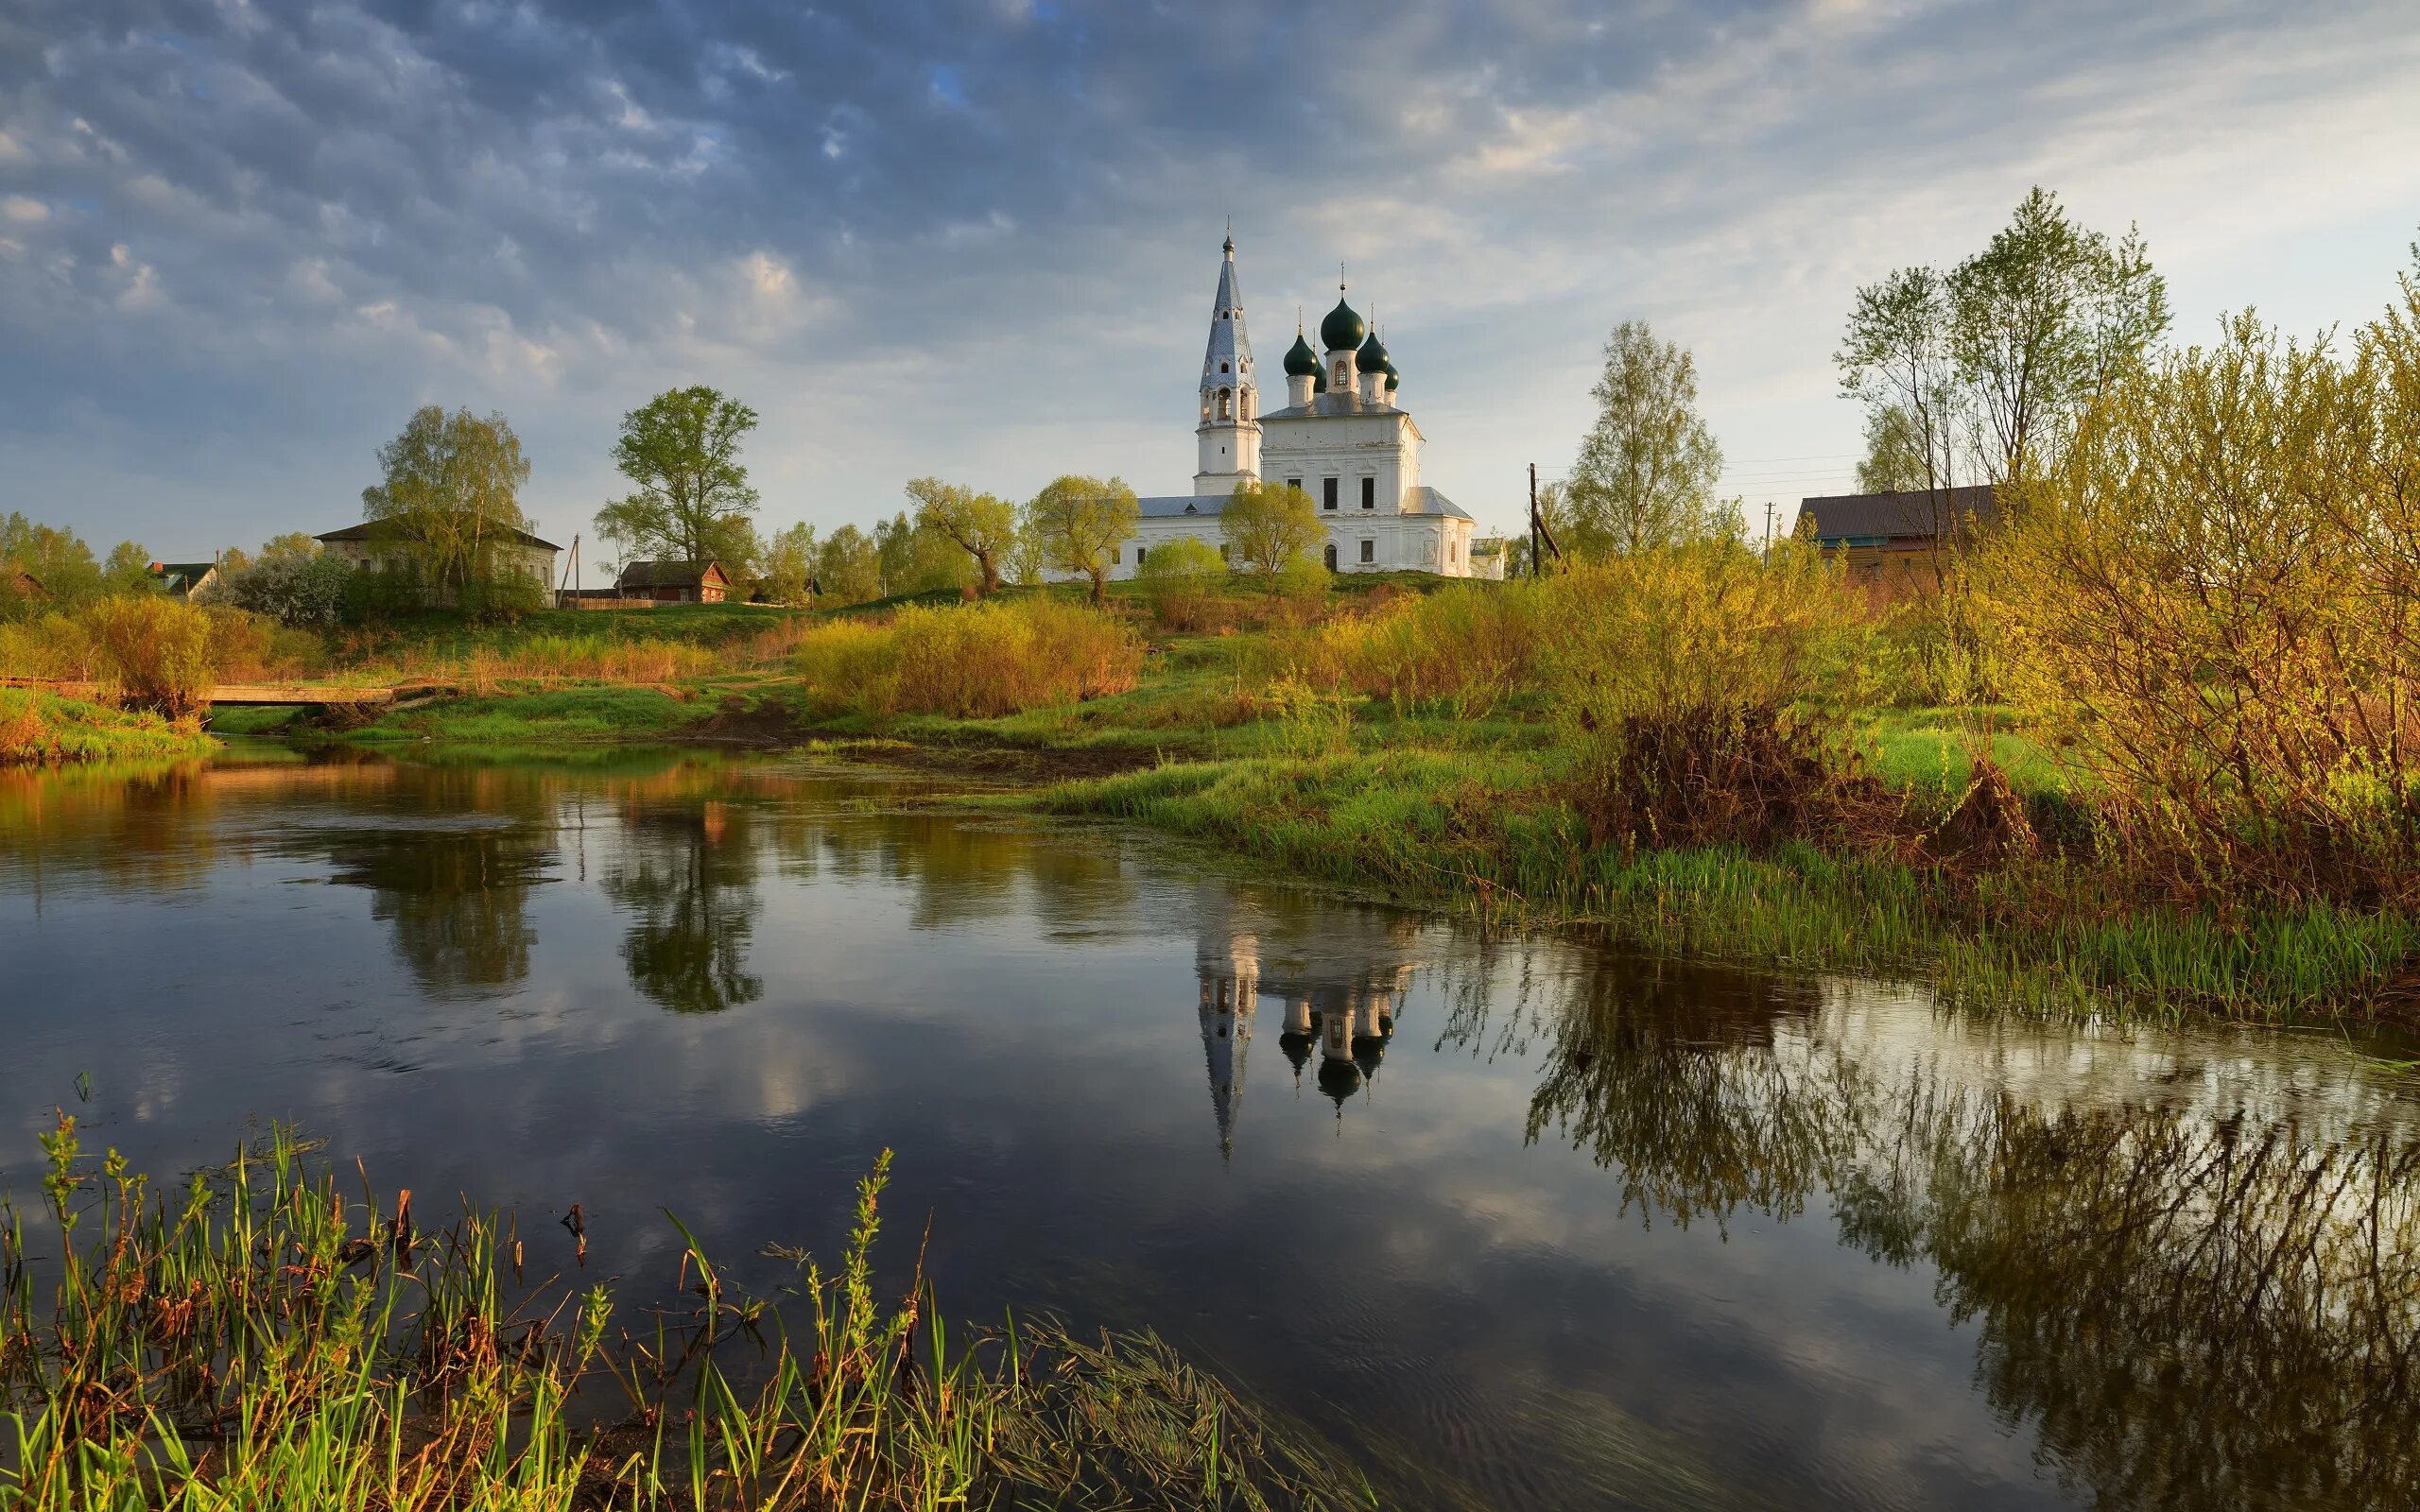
[
  {"x": 368, "y": 529},
  {"x": 670, "y": 574},
  {"x": 182, "y": 576},
  {"x": 1919, "y": 512}
]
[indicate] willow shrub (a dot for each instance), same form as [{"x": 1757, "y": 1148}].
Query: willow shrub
[
  {"x": 1694, "y": 687},
  {"x": 153, "y": 652},
  {"x": 2217, "y": 595},
  {"x": 970, "y": 662},
  {"x": 1181, "y": 580}
]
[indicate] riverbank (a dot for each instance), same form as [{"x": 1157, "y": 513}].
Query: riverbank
[
  {"x": 276, "y": 1343},
  {"x": 1466, "y": 801},
  {"x": 40, "y": 729}
]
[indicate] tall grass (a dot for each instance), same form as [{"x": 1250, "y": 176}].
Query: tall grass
[
  {"x": 1491, "y": 833},
  {"x": 265, "y": 1342},
  {"x": 975, "y": 661},
  {"x": 38, "y": 728}
]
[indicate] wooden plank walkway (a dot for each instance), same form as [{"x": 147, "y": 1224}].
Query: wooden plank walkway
[{"x": 306, "y": 694}]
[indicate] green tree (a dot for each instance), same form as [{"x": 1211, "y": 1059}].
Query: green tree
[
  {"x": 692, "y": 502},
  {"x": 450, "y": 493},
  {"x": 2042, "y": 319},
  {"x": 790, "y": 565},
  {"x": 980, "y": 524},
  {"x": 917, "y": 558},
  {"x": 127, "y": 570},
  {"x": 56, "y": 559},
  {"x": 1080, "y": 521},
  {"x": 1648, "y": 468},
  {"x": 848, "y": 567},
  {"x": 1896, "y": 450},
  {"x": 1266, "y": 525},
  {"x": 1897, "y": 357}
]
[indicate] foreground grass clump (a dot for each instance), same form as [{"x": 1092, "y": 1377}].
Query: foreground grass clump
[
  {"x": 1494, "y": 832},
  {"x": 973, "y": 660},
  {"x": 40, "y": 727},
  {"x": 268, "y": 1343}
]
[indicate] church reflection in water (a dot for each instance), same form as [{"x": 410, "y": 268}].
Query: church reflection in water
[{"x": 1336, "y": 991}]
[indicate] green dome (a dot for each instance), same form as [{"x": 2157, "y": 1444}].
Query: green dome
[
  {"x": 1393, "y": 377},
  {"x": 1319, "y": 382},
  {"x": 1342, "y": 330},
  {"x": 1373, "y": 355},
  {"x": 1301, "y": 361}
]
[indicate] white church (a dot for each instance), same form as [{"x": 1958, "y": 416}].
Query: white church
[{"x": 1342, "y": 439}]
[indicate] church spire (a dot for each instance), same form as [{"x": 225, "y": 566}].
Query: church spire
[{"x": 1229, "y": 431}]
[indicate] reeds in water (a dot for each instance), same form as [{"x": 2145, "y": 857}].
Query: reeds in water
[{"x": 269, "y": 1342}]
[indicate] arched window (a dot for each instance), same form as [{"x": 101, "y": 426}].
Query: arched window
[
  {"x": 1331, "y": 556},
  {"x": 1226, "y": 403},
  {"x": 1343, "y": 373}
]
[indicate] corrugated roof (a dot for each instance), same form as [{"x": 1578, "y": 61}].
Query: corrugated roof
[
  {"x": 1920, "y": 512},
  {"x": 669, "y": 574},
  {"x": 364, "y": 531}
]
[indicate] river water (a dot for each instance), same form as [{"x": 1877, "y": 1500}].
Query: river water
[{"x": 1520, "y": 1222}]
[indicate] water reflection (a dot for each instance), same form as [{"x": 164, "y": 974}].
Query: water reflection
[{"x": 1625, "y": 1231}]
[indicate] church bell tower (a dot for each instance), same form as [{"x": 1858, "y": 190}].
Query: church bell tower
[{"x": 1229, "y": 431}]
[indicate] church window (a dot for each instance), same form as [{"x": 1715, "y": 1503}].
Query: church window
[
  {"x": 1225, "y": 403},
  {"x": 1328, "y": 493},
  {"x": 1369, "y": 549},
  {"x": 1343, "y": 373},
  {"x": 1223, "y": 367},
  {"x": 1331, "y": 556},
  {"x": 1293, "y": 483},
  {"x": 1139, "y": 553},
  {"x": 1369, "y": 493}
]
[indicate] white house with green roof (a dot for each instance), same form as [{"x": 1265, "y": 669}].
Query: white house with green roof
[{"x": 1342, "y": 438}]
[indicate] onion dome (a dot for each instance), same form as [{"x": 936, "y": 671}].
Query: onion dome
[
  {"x": 1338, "y": 1081},
  {"x": 1343, "y": 330},
  {"x": 1373, "y": 355},
  {"x": 1319, "y": 382},
  {"x": 1301, "y": 361},
  {"x": 1393, "y": 377}
]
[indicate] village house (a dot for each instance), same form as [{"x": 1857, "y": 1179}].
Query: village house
[
  {"x": 675, "y": 582},
  {"x": 378, "y": 546},
  {"x": 1895, "y": 543},
  {"x": 183, "y": 579}
]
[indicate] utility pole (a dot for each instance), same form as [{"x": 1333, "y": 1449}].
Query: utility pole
[
  {"x": 1769, "y": 530},
  {"x": 1533, "y": 519}
]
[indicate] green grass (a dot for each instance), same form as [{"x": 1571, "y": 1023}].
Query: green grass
[
  {"x": 591, "y": 713},
  {"x": 709, "y": 624},
  {"x": 1485, "y": 832},
  {"x": 263, "y": 1340},
  {"x": 39, "y": 729}
]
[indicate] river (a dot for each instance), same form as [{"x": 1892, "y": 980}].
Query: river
[{"x": 1518, "y": 1222}]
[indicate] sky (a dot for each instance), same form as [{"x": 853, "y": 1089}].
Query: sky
[{"x": 242, "y": 240}]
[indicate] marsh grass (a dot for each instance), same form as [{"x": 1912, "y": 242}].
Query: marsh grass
[
  {"x": 40, "y": 729},
  {"x": 266, "y": 1340},
  {"x": 972, "y": 660},
  {"x": 1489, "y": 832}
]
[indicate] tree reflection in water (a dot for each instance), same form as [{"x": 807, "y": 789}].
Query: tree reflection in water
[
  {"x": 2198, "y": 1290},
  {"x": 686, "y": 875}
]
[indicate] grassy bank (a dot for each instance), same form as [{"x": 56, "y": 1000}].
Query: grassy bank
[
  {"x": 262, "y": 1340},
  {"x": 1424, "y": 741},
  {"x": 1488, "y": 834},
  {"x": 39, "y": 729}
]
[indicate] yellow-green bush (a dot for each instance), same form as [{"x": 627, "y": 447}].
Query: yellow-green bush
[
  {"x": 2216, "y": 599},
  {"x": 974, "y": 661},
  {"x": 152, "y": 652},
  {"x": 1180, "y": 579},
  {"x": 1692, "y": 685}
]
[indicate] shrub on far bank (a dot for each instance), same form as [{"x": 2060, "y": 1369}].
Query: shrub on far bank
[
  {"x": 975, "y": 661},
  {"x": 1180, "y": 581},
  {"x": 153, "y": 653}
]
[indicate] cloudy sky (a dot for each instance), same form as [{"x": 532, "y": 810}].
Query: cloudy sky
[{"x": 240, "y": 240}]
